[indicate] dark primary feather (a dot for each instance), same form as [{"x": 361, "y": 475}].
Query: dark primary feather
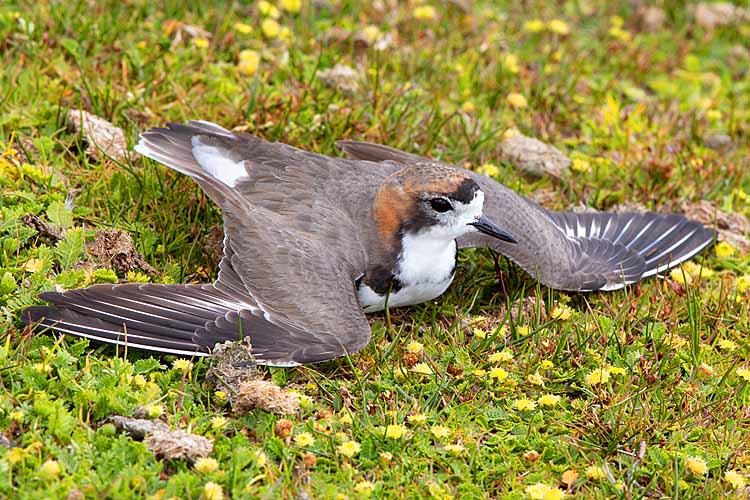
[{"x": 566, "y": 250}]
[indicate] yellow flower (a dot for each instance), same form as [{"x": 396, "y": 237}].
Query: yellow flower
[
  {"x": 734, "y": 478},
  {"x": 154, "y": 411},
  {"x": 510, "y": 61},
  {"x": 417, "y": 419},
  {"x": 619, "y": 33},
  {"x": 270, "y": 28},
  {"x": 182, "y": 365},
  {"x": 743, "y": 283},
  {"x": 213, "y": 491},
  {"x": 677, "y": 342},
  {"x": 615, "y": 370},
  {"x": 304, "y": 440},
  {"x": 260, "y": 458},
  {"x": 743, "y": 373},
  {"x": 554, "y": 494},
  {"x": 291, "y": 6},
  {"x": 394, "y": 431},
  {"x": 724, "y": 249},
  {"x": 541, "y": 491},
  {"x": 680, "y": 276},
  {"x": 205, "y": 465},
  {"x": 349, "y": 448},
  {"x": 268, "y": 9},
  {"x": 524, "y": 404},
  {"x": 516, "y": 100},
  {"x": 696, "y": 465},
  {"x": 370, "y": 34},
  {"x": 243, "y": 29},
  {"x": 535, "y": 379},
  {"x": 345, "y": 419},
  {"x": 522, "y": 330},
  {"x": 16, "y": 455},
  {"x": 696, "y": 271},
  {"x": 425, "y": 13},
  {"x": 558, "y": 26},
  {"x": 286, "y": 34},
  {"x": 468, "y": 107},
  {"x": 547, "y": 365},
  {"x": 727, "y": 345},
  {"x": 549, "y": 400},
  {"x": 510, "y": 133},
  {"x": 249, "y": 62},
  {"x": 498, "y": 373},
  {"x": 364, "y": 488},
  {"x": 455, "y": 449},
  {"x": 580, "y": 165},
  {"x": 500, "y": 357},
  {"x": 201, "y": 43},
  {"x": 49, "y": 469},
  {"x": 415, "y": 347},
  {"x": 489, "y": 170},
  {"x": 595, "y": 473},
  {"x": 479, "y": 372},
  {"x": 422, "y": 368},
  {"x": 218, "y": 422},
  {"x": 562, "y": 312},
  {"x": 596, "y": 377},
  {"x": 479, "y": 333},
  {"x": 533, "y": 26},
  {"x": 440, "y": 431}
]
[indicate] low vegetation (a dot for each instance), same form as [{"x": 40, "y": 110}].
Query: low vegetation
[{"x": 499, "y": 389}]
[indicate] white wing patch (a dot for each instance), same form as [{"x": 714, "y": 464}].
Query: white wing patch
[{"x": 214, "y": 161}]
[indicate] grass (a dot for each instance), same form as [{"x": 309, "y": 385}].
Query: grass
[{"x": 447, "y": 400}]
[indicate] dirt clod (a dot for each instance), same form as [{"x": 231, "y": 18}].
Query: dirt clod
[
  {"x": 732, "y": 227},
  {"x": 47, "y": 233},
  {"x": 102, "y": 137},
  {"x": 266, "y": 396},
  {"x": 115, "y": 250},
  {"x": 341, "y": 77},
  {"x": 161, "y": 440},
  {"x": 533, "y": 157},
  {"x": 231, "y": 364}
]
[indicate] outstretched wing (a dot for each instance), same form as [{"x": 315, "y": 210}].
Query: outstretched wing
[
  {"x": 286, "y": 282},
  {"x": 571, "y": 251}
]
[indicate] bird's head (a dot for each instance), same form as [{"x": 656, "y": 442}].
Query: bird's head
[{"x": 434, "y": 199}]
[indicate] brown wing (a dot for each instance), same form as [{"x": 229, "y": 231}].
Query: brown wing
[
  {"x": 287, "y": 279},
  {"x": 569, "y": 251}
]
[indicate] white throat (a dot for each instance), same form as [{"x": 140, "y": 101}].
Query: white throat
[{"x": 425, "y": 269}]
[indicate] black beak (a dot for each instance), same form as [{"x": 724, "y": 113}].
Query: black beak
[{"x": 484, "y": 225}]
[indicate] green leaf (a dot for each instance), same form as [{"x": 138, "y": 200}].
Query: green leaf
[
  {"x": 58, "y": 214},
  {"x": 70, "y": 250},
  {"x": 147, "y": 365},
  {"x": 105, "y": 276},
  {"x": 70, "y": 279},
  {"x": 7, "y": 283}
]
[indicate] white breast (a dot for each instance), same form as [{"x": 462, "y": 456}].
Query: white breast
[{"x": 425, "y": 268}]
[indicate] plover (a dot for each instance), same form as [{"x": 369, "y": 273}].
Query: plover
[{"x": 312, "y": 243}]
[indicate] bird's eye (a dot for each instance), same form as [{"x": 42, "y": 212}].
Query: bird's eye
[{"x": 440, "y": 205}]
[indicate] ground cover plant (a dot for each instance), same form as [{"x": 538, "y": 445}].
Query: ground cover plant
[{"x": 498, "y": 389}]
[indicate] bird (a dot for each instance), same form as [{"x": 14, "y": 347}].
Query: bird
[{"x": 313, "y": 242}]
